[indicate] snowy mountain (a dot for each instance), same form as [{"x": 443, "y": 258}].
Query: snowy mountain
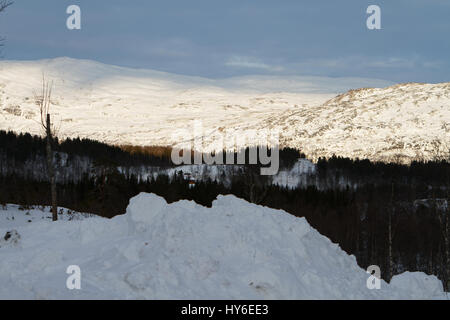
[
  {"x": 401, "y": 122},
  {"x": 144, "y": 107},
  {"x": 141, "y": 107},
  {"x": 234, "y": 250}
]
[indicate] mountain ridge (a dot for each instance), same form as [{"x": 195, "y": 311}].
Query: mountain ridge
[
  {"x": 403, "y": 122},
  {"x": 118, "y": 105}
]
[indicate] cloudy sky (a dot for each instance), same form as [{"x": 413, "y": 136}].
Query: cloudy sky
[{"x": 218, "y": 39}]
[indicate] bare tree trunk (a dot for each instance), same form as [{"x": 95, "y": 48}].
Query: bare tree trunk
[
  {"x": 443, "y": 216},
  {"x": 51, "y": 170},
  {"x": 3, "y": 5},
  {"x": 254, "y": 185},
  {"x": 430, "y": 261},
  {"x": 390, "y": 257},
  {"x": 447, "y": 258},
  {"x": 391, "y": 263},
  {"x": 446, "y": 233}
]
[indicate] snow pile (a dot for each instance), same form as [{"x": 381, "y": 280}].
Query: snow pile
[
  {"x": 417, "y": 285},
  {"x": 234, "y": 250},
  {"x": 11, "y": 238}
]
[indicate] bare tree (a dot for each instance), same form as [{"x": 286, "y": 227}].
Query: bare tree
[
  {"x": 444, "y": 221},
  {"x": 392, "y": 228},
  {"x": 3, "y": 5},
  {"x": 43, "y": 101},
  {"x": 255, "y": 185}
]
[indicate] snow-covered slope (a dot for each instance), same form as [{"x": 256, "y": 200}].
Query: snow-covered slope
[
  {"x": 234, "y": 250},
  {"x": 144, "y": 107},
  {"x": 401, "y": 122}
]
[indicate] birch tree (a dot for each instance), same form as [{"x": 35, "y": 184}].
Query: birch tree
[{"x": 43, "y": 101}]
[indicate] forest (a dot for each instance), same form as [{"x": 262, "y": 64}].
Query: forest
[{"x": 387, "y": 214}]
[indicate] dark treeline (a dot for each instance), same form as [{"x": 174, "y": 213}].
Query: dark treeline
[
  {"x": 23, "y": 147},
  {"x": 18, "y": 150},
  {"x": 352, "y": 202},
  {"x": 107, "y": 195},
  {"x": 361, "y": 172}
]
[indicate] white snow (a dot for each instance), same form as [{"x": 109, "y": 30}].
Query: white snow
[
  {"x": 399, "y": 123},
  {"x": 300, "y": 175},
  {"x": 145, "y": 107},
  {"x": 234, "y": 250}
]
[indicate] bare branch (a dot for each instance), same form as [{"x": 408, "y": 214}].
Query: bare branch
[
  {"x": 43, "y": 101},
  {"x": 4, "y": 4}
]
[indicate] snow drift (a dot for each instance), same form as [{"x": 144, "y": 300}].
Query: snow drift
[{"x": 234, "y": 250}]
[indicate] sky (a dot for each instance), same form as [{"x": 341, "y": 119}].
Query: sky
[{"x": 218, "y": 39}]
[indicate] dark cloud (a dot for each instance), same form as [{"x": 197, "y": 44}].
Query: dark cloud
[{"x": 228, "y": 38}]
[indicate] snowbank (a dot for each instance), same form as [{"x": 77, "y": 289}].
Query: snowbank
[
  {"x": 417, "y": 284},
  {"x": 234, "y": 250}
]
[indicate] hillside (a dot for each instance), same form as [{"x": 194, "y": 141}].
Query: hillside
[
  {"x": 401, "y": 122},
  {"x": 144, "y": 107},
  {"x": 139, "y": 107}
]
